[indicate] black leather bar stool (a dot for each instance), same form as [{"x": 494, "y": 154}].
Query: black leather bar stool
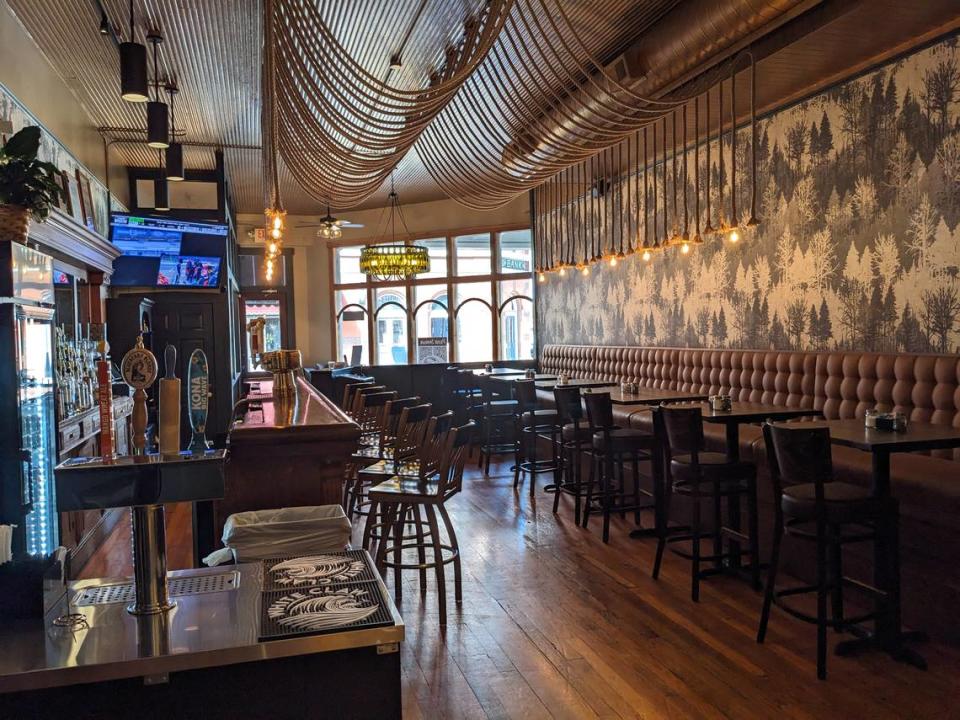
[
  {"x": 703, "y": 476},
  {"x": 399, "y": 496},
  {"x": 533, "y": 423},
  {"x": 613, "y": 446},
  {"x": 496, "y": 424},
  {"x": 576, "y": 438},
  {"x": 812, "y": 506}
]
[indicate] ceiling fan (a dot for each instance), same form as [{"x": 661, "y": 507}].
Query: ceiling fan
[{"x": 331, "y": 227}]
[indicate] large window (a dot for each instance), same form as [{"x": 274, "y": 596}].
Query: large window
[{"x": 475, "y": 303}]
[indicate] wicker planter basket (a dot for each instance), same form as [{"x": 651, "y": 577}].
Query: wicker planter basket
[{"x": 14, "y": 223}]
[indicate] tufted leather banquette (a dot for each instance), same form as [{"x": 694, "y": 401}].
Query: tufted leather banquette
[{"x": 839, "y": 385}]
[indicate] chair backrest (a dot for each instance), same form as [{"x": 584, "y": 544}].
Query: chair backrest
[
  {"x": 392, "y": 413},
  {"x": 456, "y": 449},
  {"x": 434, "y": 441},
  {"x": 348, "y": 391},
  {"x": 359, "y": 394},
  {"x": 599, "y": 410},
  {"x": 370, "y": 415},
  {"x": 680, "y": 429},
  {"x": 798, "y": 454},
  {"x": 410, "y": 430},
  {"x": 525, "y": 392},
  {"x": 569, "y": 404}
]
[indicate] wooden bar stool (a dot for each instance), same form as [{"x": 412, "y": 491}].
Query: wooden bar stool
[
  {"x": 403, "y": 434},
  {"x": 533, "y": 423},
  {"x": 698, "y": 475},
  {"x": 811, "y": 506},
  {"x": 399, "y": 496},
  {"x": 356, "y": 400},
  {"x": 612, "y": 447},
  {"x": 370, "y": 414},
  {"x": 423, "y": 465},
  {"x": 346, "y": 402},
  {"x": 576, "y": 438}
]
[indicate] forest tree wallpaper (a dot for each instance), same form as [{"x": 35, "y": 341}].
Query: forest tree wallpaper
[{"x": 858, "y": 248}]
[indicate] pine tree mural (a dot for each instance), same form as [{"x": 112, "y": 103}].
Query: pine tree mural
[{"x": 859, "y": 244}]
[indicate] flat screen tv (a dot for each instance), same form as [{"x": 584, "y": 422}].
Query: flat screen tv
[
  {"x": 145, "y": 241},
  {"x": 188, "y": 271}
]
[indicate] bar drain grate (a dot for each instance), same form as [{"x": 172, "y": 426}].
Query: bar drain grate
[{"x": 176, "y": 587}]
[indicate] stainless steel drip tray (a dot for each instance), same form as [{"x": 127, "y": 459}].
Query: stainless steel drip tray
[{"x": 176, "y": 587}]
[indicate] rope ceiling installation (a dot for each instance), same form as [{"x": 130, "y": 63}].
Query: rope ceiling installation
[
  {"x": 339, "y": 128},
  {"x": 494, "y": 141}
]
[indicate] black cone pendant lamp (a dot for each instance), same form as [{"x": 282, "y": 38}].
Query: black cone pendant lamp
[
  {"x": 133, "y": 68},
  {"x": 158, "y": 120},
  {"x": 161, "y": 198},
  {"x": 174, "y": 152}
]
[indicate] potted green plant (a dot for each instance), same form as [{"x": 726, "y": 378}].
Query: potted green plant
[{"x": 28, "y": 186}]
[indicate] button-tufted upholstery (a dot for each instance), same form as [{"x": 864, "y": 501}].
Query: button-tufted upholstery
[{"x": 839, "y": 385}]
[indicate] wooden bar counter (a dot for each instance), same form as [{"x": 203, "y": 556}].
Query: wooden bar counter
[{"x": 286, "y": 453}]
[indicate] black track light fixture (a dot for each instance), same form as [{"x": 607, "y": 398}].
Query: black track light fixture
[
  {"x": 133, "y": 67},
  {"x": 158, "y": 118},
  {"x": 175, "y": 151},
  {"x": 161, "y": 196}
]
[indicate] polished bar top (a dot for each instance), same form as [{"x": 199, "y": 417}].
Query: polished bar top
[
  {"x": 307, "y": 415},
  {"x": 203, "y": 630}
]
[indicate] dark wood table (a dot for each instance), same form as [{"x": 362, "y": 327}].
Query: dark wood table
[
  {"x": 651, "y": 396},
  {"x": 574, "y": 382},
  {"x": 744, "y": 413},
  {"x": 889, "y": 635}
]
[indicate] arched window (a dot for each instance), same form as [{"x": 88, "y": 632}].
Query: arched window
[
  {"x": 352, "y": 337},
  {"x": 517, "y": 338},
  {"x": 390, "y": 327}
]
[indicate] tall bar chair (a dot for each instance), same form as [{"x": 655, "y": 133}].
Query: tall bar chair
[
  {"x": 356, "y": 400},
  {"x": 399, "y": 496},
  {"x": 811, "y": 506},
  {"x": 700, "y": 476},
  {"x": 349, "y": 390},
  {"x": 612, "y": 447},
  {"x": 532, "y": 423},
  {"x": 405, "y": 424},
  {"x": 423, "y": 465},
  {"x": 371, "y": 414},
  {"x": 576, "y": 439},
  {"x": 496, "y": 422}
]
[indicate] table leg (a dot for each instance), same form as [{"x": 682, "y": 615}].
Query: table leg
[
  {"x": 733, "y": 502},
  {"x": 888, "y": 634}
]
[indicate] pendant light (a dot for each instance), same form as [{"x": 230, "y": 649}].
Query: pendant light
[
  {"x": 133, "y": 68},
  {"x": 158, "y": 120},
  {"x": 708, "y": 226},
  {"x": 174, "y": 152},
  {"x": 753, "y": 221},
  {"x": 161, "y": 198},
  {"x": 734, "y": 235}
]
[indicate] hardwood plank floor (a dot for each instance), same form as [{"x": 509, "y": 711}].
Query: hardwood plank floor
[{"x": 556, "y": 624}]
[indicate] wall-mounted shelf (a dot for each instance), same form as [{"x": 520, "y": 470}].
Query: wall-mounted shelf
[{"x": 61, "y": 235}]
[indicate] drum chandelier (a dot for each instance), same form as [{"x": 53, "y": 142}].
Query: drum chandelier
[{"x": 395, "y": 261}]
